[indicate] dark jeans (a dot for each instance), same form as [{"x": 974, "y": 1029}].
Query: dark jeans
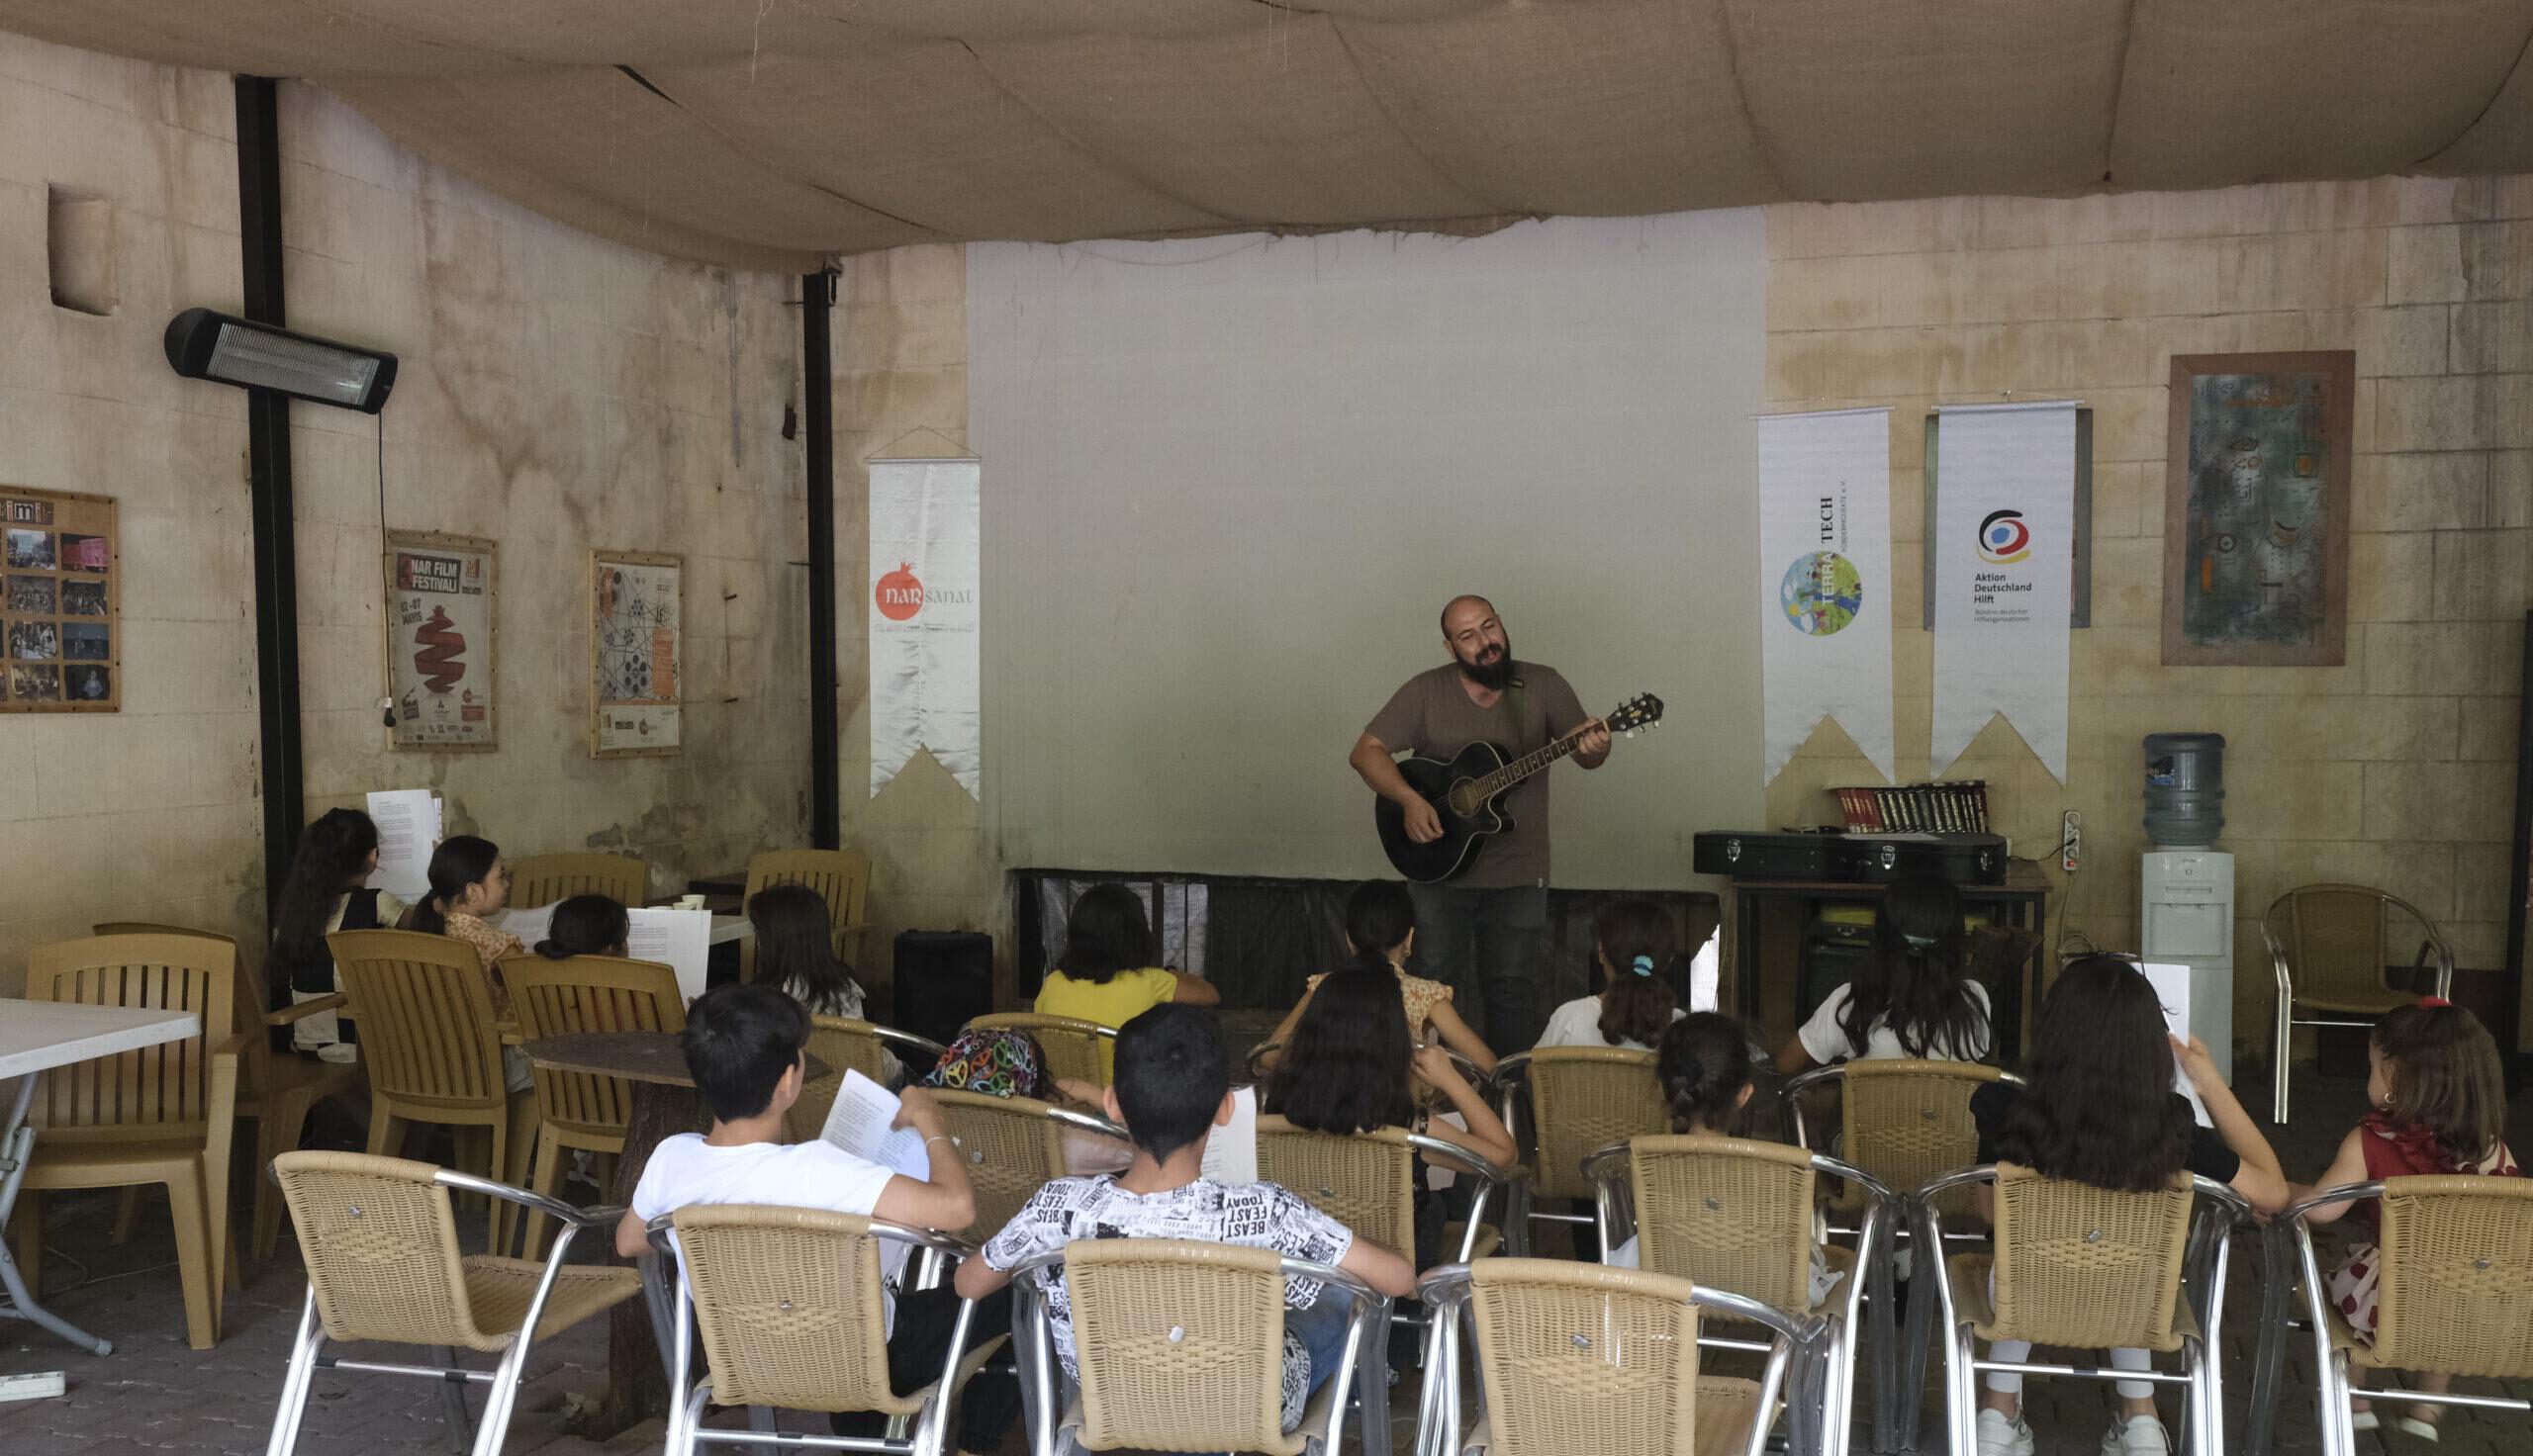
[
  {"x": 1492, "y": 942},
  {"x": 991, "y": 1403}
]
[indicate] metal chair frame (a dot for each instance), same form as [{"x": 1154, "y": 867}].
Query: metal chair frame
[
  {"x": 1510, "y": 1082},
  {"x": 2285, "y": 1021},
  {"x": 2202, "y": 1285},
  {"x": 307, "y": 1351}
]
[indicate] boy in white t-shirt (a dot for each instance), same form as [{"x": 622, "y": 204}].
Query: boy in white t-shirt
[{"x": 743, "y": 1047}]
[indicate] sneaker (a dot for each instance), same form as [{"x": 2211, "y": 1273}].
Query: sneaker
[
  {"x": 2417, "y": 1428},
  {"x": 2000, "y": 1434},
  {"x": 2135, "y": 1435}
]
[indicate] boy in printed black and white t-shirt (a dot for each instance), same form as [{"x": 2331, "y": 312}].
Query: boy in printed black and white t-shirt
[{"x": 1172, "y": 1090}]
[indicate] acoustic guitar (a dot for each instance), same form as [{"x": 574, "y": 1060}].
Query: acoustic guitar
[{"x": 1467, "y": 796}]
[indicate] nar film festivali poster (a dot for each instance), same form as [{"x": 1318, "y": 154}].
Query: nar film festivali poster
[
  {"x": 439, "y": 640},
  {"x": 1825, "y": 561},
  {"x": 2005, "y": 574},
  {"x": 924, "y": 617}
]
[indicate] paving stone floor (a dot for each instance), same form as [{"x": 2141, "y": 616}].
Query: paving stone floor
[{"x": 154, "y": 1394}]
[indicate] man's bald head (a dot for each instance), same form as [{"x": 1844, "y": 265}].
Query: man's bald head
[
  {"x": 1478, "y": 641},
  {"x": 1463, "y": 607}
]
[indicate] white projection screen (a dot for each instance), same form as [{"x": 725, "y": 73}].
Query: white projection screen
[{"x": 1228, "y": 484}]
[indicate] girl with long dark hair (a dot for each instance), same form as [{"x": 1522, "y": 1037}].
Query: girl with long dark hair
[
  {"x": 325, "y": 891},
  {"x": 1380, "y": 935},
  {"x": 795, "y": 951},
  {"x": 1110, "y": 973},
  {"x": 1911, "y": 999},
  {"x": 587, "y": 925},
  {"x": 2100, "y": 1109},
  {"x": 1633, "y": 941},
  {"x": 469, "y": 884}
]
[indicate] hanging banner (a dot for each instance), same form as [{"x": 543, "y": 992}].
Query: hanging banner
[
  {"x": 925, "y": 617},
  {"x": 1825, "y": 560},
  {"x": 2005, "y": 567}
]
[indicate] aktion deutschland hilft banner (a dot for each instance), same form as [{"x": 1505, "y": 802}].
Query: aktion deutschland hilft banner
[{"x": 2005, "y": 570}]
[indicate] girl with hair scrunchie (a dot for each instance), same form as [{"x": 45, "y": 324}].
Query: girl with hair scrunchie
[{"x": 1635, "y": 941}]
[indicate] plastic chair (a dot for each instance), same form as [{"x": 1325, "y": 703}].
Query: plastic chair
[
  {"x": 840, "y": 877},
  {"x": 542, "y": 879},
  {"x": 2455, "y": 1283},
  {"x": 162, "y": 1113},
  {"x": 380, "y": 1241},
  {"x": 1582, "y": 1099},
  {"x": 1579, "y": 1357},
  {"x": 579, "y": 1109},
  {"x": 1179, "y": 1348},
  {"x": 2088, "y": 1268},
  {"x": 1014, "y": 1147},
  {"x": 1728, "y": 1213},
  {"x": 276, "y": 1091},
  {"x": 788, "y": 1303},
  {"x": 434, "y": 1049},
  {"x": 1076, "y": 1049},
  {"x": 2328, "y": 945}
]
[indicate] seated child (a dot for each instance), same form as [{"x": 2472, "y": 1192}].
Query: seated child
[
  {"x": 1633, "y": 941},
  {"x": 1172, "y": 1090},
  {"x": 743, "y": 1045}
]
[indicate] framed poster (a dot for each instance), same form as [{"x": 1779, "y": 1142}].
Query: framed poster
[
  {"x": 636, "y": 654},
  {"x": 61, "y": 580},
  {"x": 2256, "y": 509},
  {"x": 440, "y": 640}
]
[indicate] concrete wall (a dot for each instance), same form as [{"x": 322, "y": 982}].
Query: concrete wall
[
  {"x": 557, "y": 393},
  {"x": 2395, "y": 770}
]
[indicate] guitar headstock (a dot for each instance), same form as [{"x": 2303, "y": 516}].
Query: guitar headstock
[{"x": 1644, "y": 711}]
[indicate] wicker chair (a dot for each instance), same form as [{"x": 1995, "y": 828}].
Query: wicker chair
[
  {"x": 2329, "y": 946},
  {"x": 846, "y": 1044},
  {"x": 159, "y": 1115},
  {"x": 1579, "y": 1357},
  {"x": 542, "y": 879},
  {"x": 1179, "y": 1348},
  {"x": 435, "y": 1050},
  {"x": 840, "y": 877},
  {"x": 578, "y": 1110},
  {"x": 2455, "y": 1282},
  {"x": 788, "y": 1303},
  {"x": 1727, "y": 1212},
  {"x": 1582, "y": 1099},
  {"x": 381, "y": 1246},
  {"x": 2086, "y": 1268},
  {"x": 1014, "y": 1147},
  {"x": 1076, "y": 1049},
  {"x": 276, "y": 1091}
]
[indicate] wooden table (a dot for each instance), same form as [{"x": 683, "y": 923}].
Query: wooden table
[
  {"x": 34, "y": 1038},
  {"x": 664, "y": 1104}
]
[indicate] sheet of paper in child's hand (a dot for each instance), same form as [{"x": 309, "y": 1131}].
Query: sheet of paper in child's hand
[
  {"x": 1231, "y": 1153},
  {"x": 2172, "y": 988},
  {"x": 859, "y": 1123}
]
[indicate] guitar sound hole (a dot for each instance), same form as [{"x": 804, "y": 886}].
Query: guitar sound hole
[{"x": 1459, "y": 801}]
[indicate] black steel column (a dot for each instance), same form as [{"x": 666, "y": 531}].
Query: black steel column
[
  {"x": 268, "y": 485},
  {"x": 817, "y": 380}
]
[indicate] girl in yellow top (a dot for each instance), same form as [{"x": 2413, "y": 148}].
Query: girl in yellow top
[
  {"x": 1380, "y": 932},
  {"x": 1108, "y": 975}
]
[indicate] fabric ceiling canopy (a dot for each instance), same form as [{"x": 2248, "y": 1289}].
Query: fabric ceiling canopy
[{"x": 774, "y": 133}]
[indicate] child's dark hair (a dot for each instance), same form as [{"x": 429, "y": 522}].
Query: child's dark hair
[
  {"x": 1638, "y": 940},
  {"x": 1347, "y": 1070},
  {"x": 739, "y": 1040},
  {"x": 2101, "y": 1108},
  {"x": 330, "y": 858},
  {"x": 586, "y": 924},
  {"x": 1107, "y": 933},
  {"x": 1912, "y": 982},
  {"x": 459, "y": 861},
  {"x": 795, "y": 944},
  {"x": 1704, "y": 1062},
  {"x": 2446, "y": 1076},
  {"x": 1172, "y": 1075},
  {"x": 1379, "y": 916}
]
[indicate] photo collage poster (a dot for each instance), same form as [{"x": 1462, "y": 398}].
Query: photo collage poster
[
  {"x": 439, "y": 640},
  {"x": 58, "y": 584},
  {"x": 637, "y": 647}
]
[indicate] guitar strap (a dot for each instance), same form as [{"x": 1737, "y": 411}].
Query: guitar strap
[{"x": 1522, "y": 745}]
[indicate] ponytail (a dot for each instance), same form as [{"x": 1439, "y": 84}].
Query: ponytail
[
  {"x": 1704, "y": 1061},
  {"x": 1637, "y": 939},
  {"x": 1380, "y": 917},
  {"x": 456, "y": 863}
]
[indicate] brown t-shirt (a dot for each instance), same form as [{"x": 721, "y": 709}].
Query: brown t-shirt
[{"x": 1431, "y": 716}]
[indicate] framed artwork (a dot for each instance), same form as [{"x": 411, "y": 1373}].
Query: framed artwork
[
  {"x": 636, "y": 654},
  {"x": 61, "y": 580},
  {"x": 2256, "y": 509},
  {"x": 440, "y": 640}
]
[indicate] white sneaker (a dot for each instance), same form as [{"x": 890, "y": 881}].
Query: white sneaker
[
  {"x": 2135, "y": 1435},
  {"x": 2000, "y": 1434}
]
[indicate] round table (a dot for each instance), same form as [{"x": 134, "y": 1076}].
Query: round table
[{"x": 663, "y": 1103}]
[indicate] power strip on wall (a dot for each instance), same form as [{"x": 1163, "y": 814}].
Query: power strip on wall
[{"x": 2071, "y": 841}]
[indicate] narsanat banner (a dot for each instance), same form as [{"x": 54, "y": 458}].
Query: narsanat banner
[
  {"x": 925, "y": 617},
  {"x": 1825, "y": 568},
  {"x": 2005, "y": 574}
]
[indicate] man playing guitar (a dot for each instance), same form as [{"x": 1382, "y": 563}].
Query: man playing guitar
[{"x": 1487, "y": 927}]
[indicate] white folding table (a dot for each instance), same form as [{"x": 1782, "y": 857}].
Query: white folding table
[{"x": 34, "y": 1038}]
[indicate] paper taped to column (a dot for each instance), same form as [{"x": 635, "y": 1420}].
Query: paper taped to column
[{"x": 925, "y": 616}]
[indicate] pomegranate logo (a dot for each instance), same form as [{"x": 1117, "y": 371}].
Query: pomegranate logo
[{"x": 899, "y": 594}]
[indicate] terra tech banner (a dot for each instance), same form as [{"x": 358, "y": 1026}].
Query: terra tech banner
[{"x": 1824, "y": 568}]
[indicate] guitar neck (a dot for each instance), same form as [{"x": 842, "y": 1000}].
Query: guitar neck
[{"x": 1527, "y": 765}]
